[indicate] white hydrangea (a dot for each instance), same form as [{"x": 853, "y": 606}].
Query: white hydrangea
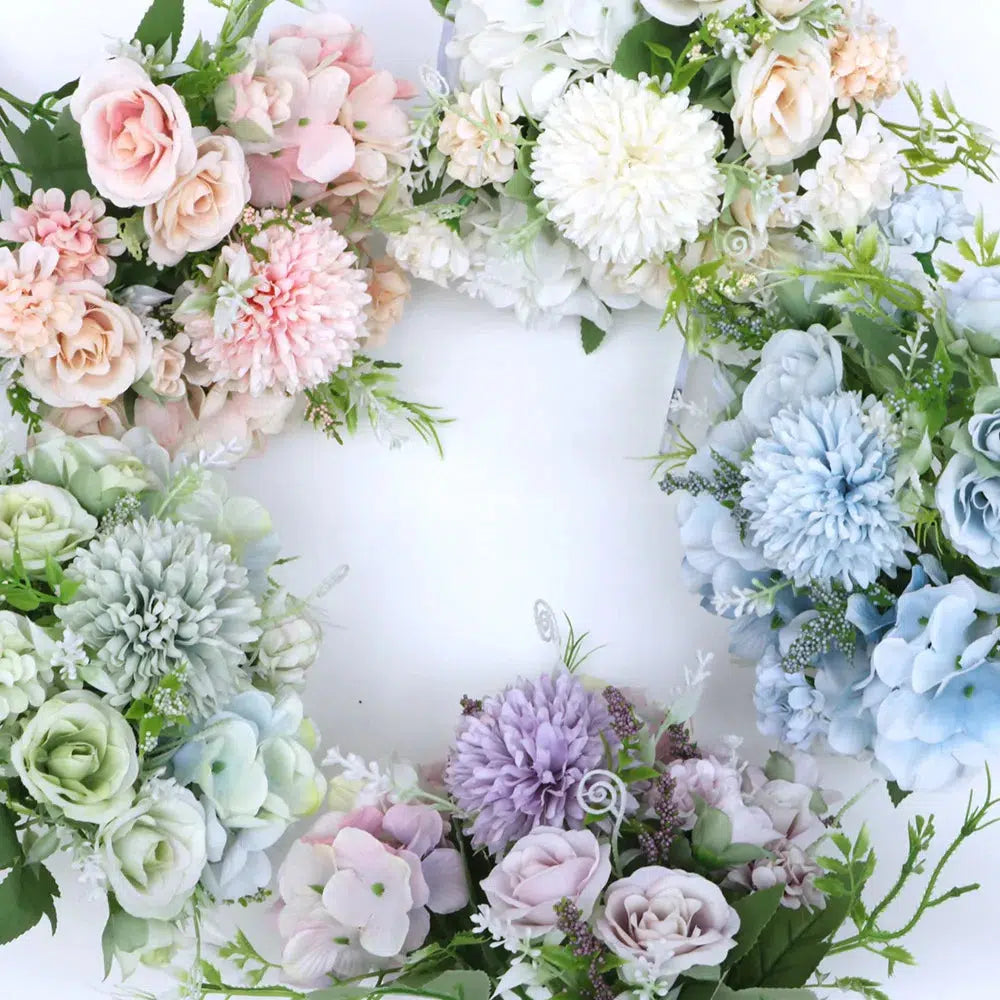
[
  {"x": 479, "y": 138},
  {"x": 856, "y": 175},
  {"x": 628, "y": 174},
  {"x": 533, "y": 50},
  {"x": 25, "y": 665},
  {"x": 430, "y": 250},
  {"x": 534, "y": 272}
]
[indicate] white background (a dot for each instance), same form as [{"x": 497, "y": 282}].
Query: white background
[{"x": 541, "y": 493}]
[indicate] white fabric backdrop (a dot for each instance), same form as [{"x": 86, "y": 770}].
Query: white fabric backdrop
[{"x": 540, "y": 494}]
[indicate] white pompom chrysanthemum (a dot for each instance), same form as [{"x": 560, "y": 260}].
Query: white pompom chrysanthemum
[{"x": 628, "y": 174}]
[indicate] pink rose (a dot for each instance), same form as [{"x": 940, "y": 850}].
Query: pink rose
[
  {"x": 547, "y": 865},
  {"x": 95, "y": 364},
  {"x": 34, "y": 308},
  {"x": 137, "y": 136},
  {"x": 663, "y": 922},
  {"x": 203, "y": 205},
  {"x": 389, "y": 289},
  {"x": 253, "y": 105},
  {"x": 81, "y": 234}
]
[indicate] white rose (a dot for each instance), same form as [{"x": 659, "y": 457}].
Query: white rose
[
  {"x": 783, "y": 10},
  {"x": 784, "y": 102},
  {"x": 42, "y": 522},
  {"x": 155, "y": 853},
  {"x": 203, "y": 205},
  {"x": 166, "y": 370},
  {"x": 688, "y": 11},
  {"x": 25, "y": 665},
  {"x": 95, "y": 365}
]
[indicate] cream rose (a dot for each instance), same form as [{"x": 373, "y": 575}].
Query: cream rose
[
  {"x": 93, "y": 366},
  {"x": 137, "y": 136},
  {"x": 166, "y": 370},
  {"x": 784, "y": 102},
  {"x": 783, "y": 10},
  {"x": 108, "y": 421},
  {"x": 389, "y": 289},
  {"x": 203, "y": 205}
]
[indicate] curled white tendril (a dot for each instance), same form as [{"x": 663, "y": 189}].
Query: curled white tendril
[
  {"x": 337, "y": 576},
  {"x": 547, "y": 624},
  {"x": 739, "y": 243},
  {"x": 434, "y": 83},
  {"x": 603, "y": 793}
]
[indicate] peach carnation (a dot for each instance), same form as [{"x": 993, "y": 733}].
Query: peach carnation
[
  {"x": 84, "y": 237},
  {"x": 301, "y": 318},
  {"x": 868, "y": 66},
  {"x": 389, "y": 289},
  {"x": 34, "y": 309}
]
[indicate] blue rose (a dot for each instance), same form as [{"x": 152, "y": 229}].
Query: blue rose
[
  {"x": 969, "y": 502},
  {"x": 924, "y": 214},
  {"x": 939, "y": 661},
  {"x": 793, "y": 365},
  {"x": 984, "y": 429},
  {"x": 973, "y": 304}
]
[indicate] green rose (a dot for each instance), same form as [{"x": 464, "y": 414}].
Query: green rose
[
  {"x": 78, "y": 755},
  {"x": 97, "y": 470},
  {"x": 25, "y": 665},
  {"x": 42, "y": 522},
  {"x": 154, "y": 854}
]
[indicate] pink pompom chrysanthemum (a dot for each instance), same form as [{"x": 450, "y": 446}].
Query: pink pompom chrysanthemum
[
  {"x": 85, "y": 238},
  {"x": 34, "y": 309},
  {"x": 301, "y": 313}
]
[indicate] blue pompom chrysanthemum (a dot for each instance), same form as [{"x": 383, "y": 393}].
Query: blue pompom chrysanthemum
[{"x": 820, "y": 495}]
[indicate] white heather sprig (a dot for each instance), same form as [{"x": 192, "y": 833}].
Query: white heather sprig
[
  {"x": 375, "y": 785},
  {"x": 757, "y": 599},
  {"x": 68, "y": 656}
]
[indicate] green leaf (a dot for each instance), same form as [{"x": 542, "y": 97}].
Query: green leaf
[
  {"x": 756, "y": 911},
  {"x": 635, "y": 55},
  {"x": 792, "y": 949},
  {"x": 341, "y": 993},
  {"x": 591, "y": 336},
  {"x": 10, "y": 847},
  {"x": 26, "y": 895},
  {"x": 462, "y": 985},
  {"x": 164, "y": 21},
  {"x": 52, "y": 156},
  {"x": 440, "y": 6},
  {"x": 764, "y": 993},
  {"x": 880, "y": 341},
  {"x": 122, "y": 933},
  {"x": 896, "y": 794},
  {"x": 713, "y": 831}
]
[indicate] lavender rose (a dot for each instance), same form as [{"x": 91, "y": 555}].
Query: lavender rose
[
  {"x": 543, "y": 868},
  {"x": 664, "y": 922}
]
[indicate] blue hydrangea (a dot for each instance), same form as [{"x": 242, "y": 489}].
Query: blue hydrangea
[
  {"x": 941, "y": 664},
  {"x": 924, "y": 214},
  {"x": 820, "y": 495},
  {"x": 788, "y": 706}
]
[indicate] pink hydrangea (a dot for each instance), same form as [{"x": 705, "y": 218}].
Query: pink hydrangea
[
  {"x": 357, "y": 892},
  {"x": 303, "y": 318},
  {"x": 34, "y": 309},
  {"x": 84, "y": 237}
]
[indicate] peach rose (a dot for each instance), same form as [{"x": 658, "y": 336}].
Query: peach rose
[
  {"x": 82, "y": 421},
  {"x": 203, "y": 205},
  {"x": 784, "y": 102},
  {"x": 389, "y": 289},
  {"x": 93, "y": 366},
  {"x": 166, "y": 370},
  {"x": 137, "y": 136}
]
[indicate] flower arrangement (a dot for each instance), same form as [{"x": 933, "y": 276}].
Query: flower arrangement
[
  {"x": 839, "y": 499},
  {"x": 150, "y": 669},
  {"x": 590, "y": 155},
  {"x": 193, "y": 244},
  {"x": 578, "y": 842}
]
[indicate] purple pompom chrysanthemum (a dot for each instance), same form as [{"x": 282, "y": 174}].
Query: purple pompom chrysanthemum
[{"x": 518, "y": 763}]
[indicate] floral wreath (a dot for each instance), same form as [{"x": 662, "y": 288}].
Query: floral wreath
[{"x": 196, "y": 249}]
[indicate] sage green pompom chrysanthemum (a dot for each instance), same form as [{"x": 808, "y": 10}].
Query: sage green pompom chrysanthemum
[{"x": 159, "y": 598}]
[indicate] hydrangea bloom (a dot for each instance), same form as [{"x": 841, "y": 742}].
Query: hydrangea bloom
[
  {"x": 158, "y": 598},
  {"x": 942, "y": 713},
  {"x": 788, "y": 706},
  {"x": 820, "y": 494},
  {"x": 519, "y": 762},
  {"x": 924, "y": 214}
]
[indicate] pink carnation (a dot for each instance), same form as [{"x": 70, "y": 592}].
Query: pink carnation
[
  {"x": 34, "y": 309},
  {"x": 303, "y": 319},
  {"x": 84, "y": 237}
]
